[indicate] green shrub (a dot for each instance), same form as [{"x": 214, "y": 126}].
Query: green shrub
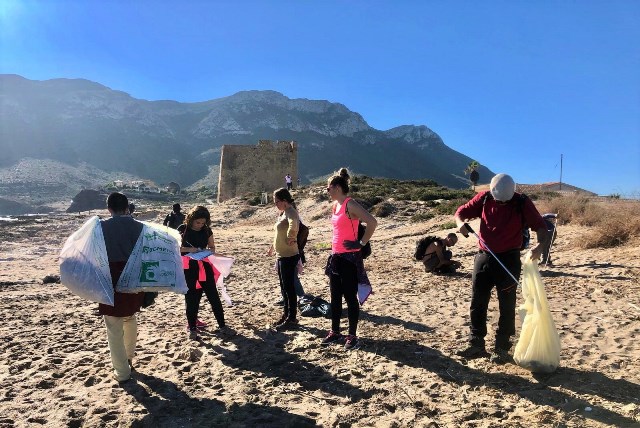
[
  {"x": 448, "y": 225},
  {"x": 416, "y": 218}
]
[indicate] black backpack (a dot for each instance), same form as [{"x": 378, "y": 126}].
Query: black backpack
[
  {"x": 366, "y": 250},
  {"x": 520, "y": 201},
  {"x": 303, "y": 235},
  {"x": 422, "y": 245}
]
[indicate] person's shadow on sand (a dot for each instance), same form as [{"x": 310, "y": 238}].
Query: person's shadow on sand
[
  {"x": 276, "y": 362},
  {"x": 450, "y": 370},
  {"x": 389, "y": 320},
  {"x": 169, "y": 406}
]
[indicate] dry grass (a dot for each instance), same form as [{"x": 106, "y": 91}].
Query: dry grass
[{"x": 613, "y": 222}]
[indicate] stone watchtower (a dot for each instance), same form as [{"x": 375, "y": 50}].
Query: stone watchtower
[{"x": 254, "y": 169}]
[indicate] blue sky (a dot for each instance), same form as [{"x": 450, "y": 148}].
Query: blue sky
[{"x": 512, "y": 84}]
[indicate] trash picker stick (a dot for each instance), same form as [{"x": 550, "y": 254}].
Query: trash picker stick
[
  {"x": 491, "y": 252},
  {"x": 553, "y": 236}
]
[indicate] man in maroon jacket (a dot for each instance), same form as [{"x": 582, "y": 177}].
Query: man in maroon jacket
[
  {"x": 120, "y": 232},
  {"x": 503, "y": 214}
]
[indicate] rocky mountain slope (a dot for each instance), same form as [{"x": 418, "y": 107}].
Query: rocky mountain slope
[{"x": 76, "y": 121}]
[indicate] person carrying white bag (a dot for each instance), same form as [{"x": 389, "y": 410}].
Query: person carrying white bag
[
  {"x": 121, "y": 233},
  {"x": 503, "y": 215}
]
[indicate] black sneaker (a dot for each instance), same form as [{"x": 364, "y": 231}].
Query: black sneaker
[
  {"x": 351, "y": 342},
  {"x": 500, "y": 356},
  {"x": 280, "y": 303},
  {"x": 288, "y": 324},
  {"x": 471, "y": 351},
  {"x": 331, "y": 338}
]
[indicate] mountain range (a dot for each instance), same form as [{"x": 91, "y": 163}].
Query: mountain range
[{"x": 79, "y": 122}]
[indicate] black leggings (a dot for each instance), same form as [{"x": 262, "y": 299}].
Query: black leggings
[
  {"x": 344, "y": 282},
  {"x": 287, "y": 274},
  {"x": 193, "y": 296}
]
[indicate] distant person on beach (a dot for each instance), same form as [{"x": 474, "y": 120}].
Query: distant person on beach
[
  {"x": 435, "y": 256},
  {"x": 288, "y": 181},
  {"x": 286, "y": 249},
  {"x": 345, "y": 266},
  {"x": 200, "y": 274},
  {"x": 550, "y": 220},
  {"x": 502, "y": 213},
  {"x": 175, "y": 218},
  {"x": 120, "y": 233}
]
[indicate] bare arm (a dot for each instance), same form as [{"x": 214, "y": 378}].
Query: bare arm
[
  {"x": 542, "y": 236},
  {"x": 461, "y": 224},
  {"x": 358, "y": 212}
]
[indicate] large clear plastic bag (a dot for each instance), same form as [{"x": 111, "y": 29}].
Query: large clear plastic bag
[
  {"x": 538, "y": 348},
  {"x": 84, "y": 266},
  {"x": 155, "y": 263}
]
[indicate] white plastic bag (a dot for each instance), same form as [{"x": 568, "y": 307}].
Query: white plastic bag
[
  {"x": 538, "y": 348},
  {"x": 84, "y": 266},
  {"x": 223, "y": 265},
  {"x": 155, "y": 263}
]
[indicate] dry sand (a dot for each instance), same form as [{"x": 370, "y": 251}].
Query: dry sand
[{"x": 55, "y": 368}]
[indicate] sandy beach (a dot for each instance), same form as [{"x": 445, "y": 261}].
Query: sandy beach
[{"x": 55, "y": 369}]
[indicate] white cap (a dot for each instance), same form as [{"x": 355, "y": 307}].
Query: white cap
[{"x": 502, "y": 187}]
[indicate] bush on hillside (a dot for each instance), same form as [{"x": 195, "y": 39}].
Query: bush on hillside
[{"x": 613, "y": 222}]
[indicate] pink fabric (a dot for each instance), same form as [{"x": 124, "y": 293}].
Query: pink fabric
[
  {"x": 343, "y": 229},
  {"x": 202, "y": 274}
]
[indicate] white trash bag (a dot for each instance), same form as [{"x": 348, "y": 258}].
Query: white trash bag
[
  {"x": 538, "y": 348},
  {"x": 84, "y": 266},
  {"x": 155, "y": 263},
  {"x": 223, "y": 265}
]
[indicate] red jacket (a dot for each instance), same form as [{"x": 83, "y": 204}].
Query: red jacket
[{"x": 501, "y": 224}]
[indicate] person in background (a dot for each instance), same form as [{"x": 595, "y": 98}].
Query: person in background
[
  {"x": 435, "y": 256},
  {"x": 197, "y": 236},
  {"x": 500, "y": 230},
  {"x": 175, "y": 218},
  {"x": 550, "y": 220},
  {"x": 132, "y": 209},
  {"x": 287, "y": 255},
  {"x": 288, "y": 181},
  {"x": 345, "y": 265},
  {"x": 120, "y": 233}
]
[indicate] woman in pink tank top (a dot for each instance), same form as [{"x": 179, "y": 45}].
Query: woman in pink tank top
[{"x": 345, "y": 265}]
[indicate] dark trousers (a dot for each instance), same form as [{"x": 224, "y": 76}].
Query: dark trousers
[
  {"x": 488, "y": 273},
  {"x": 344, "y": 282},
  {"x": 287, "y": 273},
  {"x": 193, "y": 296}
]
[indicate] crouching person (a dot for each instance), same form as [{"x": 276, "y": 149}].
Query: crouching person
[
  {"x": 120, "y": 232},
  {"x": 435, "y": 256}
]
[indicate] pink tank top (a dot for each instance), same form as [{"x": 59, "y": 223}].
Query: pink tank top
[{"x": 343, "y": 229}]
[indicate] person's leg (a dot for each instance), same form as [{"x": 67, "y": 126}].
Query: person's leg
[
  {"x": 335, "y": 287},
  {"x": 298, "y": 286},
  {"x": 192, "y": 304},
  {"x": 209, "y": 288},
  {"x": 130, "y": 326},
  {"x": 349, "y": 274},
  {"x": 482, "y": 283},
  {"x": 287, "y": 272},
  {"x": 117, "y": 350},
  {"x": 507, "y": 294}
]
